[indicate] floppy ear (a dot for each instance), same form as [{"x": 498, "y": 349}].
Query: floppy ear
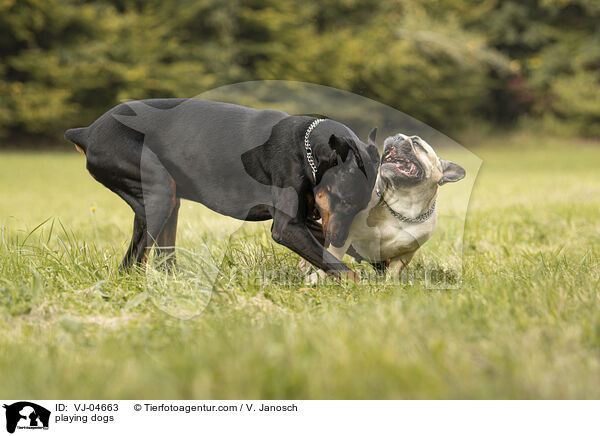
[
  {"x": 451, "y": 172},
  {"x": 334, "y": 159},
  {"x": 340, "y": 145},
  {"x": 357, "y": 157},
  {"x": 371, "y": 138}
]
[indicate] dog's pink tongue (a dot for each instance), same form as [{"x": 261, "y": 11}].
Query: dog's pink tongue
[{"x": 408, "y": 168}]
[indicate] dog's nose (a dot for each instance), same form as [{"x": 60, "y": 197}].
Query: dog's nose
[
  {"x": 405, "y": 144},
  {"x": 401, "y": 145}
]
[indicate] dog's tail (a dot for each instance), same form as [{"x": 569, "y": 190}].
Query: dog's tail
[{"x": 78, "y": 137}]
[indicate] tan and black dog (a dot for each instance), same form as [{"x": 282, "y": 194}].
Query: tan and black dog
[{"x": 245, "y": 163}]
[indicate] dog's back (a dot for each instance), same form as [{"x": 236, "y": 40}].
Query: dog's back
[{"x": 191, "y": 138}]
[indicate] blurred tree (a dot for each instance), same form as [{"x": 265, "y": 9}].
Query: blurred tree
[
  {"x": 36, "y": 75},
  {"x": 555, "y": 48},
  {"x": 64, "y": 62}
]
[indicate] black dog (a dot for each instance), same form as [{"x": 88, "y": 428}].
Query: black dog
[{"x": 245, "y": 163}]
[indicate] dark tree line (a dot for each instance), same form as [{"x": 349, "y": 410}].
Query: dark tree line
[{"x": 64, "y": 62}]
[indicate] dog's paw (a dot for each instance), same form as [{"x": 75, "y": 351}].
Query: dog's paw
[
  {"x": 315, "y": 278},
  {"x": 306, "y": 267}
]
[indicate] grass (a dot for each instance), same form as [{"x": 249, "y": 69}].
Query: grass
[{"x": 524, "y": 322}]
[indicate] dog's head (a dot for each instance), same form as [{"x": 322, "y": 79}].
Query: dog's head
[
  {"x": 410, "y": 162},
  {"x": 345, "y": 188}
]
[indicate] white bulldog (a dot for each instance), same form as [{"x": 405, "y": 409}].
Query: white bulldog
[{"x": 402, "y": 213}]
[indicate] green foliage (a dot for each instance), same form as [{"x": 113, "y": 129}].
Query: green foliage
[{"x": 64, "y": 62}]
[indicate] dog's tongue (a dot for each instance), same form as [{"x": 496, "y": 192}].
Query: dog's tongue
[{"x": 407, "y": 168}]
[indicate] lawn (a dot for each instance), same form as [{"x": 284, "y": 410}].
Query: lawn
[{"x": 523, "y": 322}]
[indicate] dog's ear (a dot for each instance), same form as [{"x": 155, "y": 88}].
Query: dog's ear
[
  {"x": 374, "y": 155},
  {"x": 340, "y": 146},
  {"x": 372, "y": 147},
  {"x": 334, "y": 159},
  {"x": 358, "y": 157},
  {"x": 371, "y": 138},
  {"x": 451, "y": 172}
]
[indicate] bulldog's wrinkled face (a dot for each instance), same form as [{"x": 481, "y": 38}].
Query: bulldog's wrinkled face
[
  {"x": 411, "y": 161},
  {"x": 408, "y": 161}
]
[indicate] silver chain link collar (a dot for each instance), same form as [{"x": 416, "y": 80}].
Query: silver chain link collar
[
  {"x": 309, "y": 154},
  {"x": 416, "y": 220}
]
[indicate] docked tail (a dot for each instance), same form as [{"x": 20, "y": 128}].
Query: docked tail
[{"x": 78, "y": 137}]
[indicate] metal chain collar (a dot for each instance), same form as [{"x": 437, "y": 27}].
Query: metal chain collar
[
  {"x": 416, "y": 220},
  {"x": 309, "y": 154}
]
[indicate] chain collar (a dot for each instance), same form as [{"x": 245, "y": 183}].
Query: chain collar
[
  {"x": 309, "y": 154},
  {"x": 416, "y": 220}
]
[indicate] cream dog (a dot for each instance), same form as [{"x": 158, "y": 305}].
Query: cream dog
[{"x": 402, "y": 213}]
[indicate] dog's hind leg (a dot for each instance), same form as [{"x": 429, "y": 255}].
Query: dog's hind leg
[
  {"x": 166, "y": 239},
  {"x": 135, "y": 252},
  {"x": 160, "y": 200}
]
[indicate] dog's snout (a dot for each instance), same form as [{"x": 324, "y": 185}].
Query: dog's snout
[
  {"x": 405, "y": 146},
  {"x": 398, "y": 148}
]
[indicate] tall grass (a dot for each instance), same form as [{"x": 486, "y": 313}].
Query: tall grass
[{"x": 525, "y": 322}]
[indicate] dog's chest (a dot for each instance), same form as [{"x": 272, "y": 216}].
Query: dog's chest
[{"x": 381, "y": 236}]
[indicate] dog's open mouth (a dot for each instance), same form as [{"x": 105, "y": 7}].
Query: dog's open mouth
[
  {"x": 402, "y": 162},
  {"x": 404, "y": 166}
]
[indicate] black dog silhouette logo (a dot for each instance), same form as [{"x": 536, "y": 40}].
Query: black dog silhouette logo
[{"x": 26, "y": 415}]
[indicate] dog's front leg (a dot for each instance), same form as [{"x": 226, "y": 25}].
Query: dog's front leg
[
  {"x": 397, "y": 264},
  {"x": 381, "y": 266},
  {"x": 339, "y": 252},
  {"x": 298, "y": 238}
]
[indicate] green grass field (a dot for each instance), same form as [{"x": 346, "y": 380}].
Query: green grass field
[{"x": 524, "y": 323}]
